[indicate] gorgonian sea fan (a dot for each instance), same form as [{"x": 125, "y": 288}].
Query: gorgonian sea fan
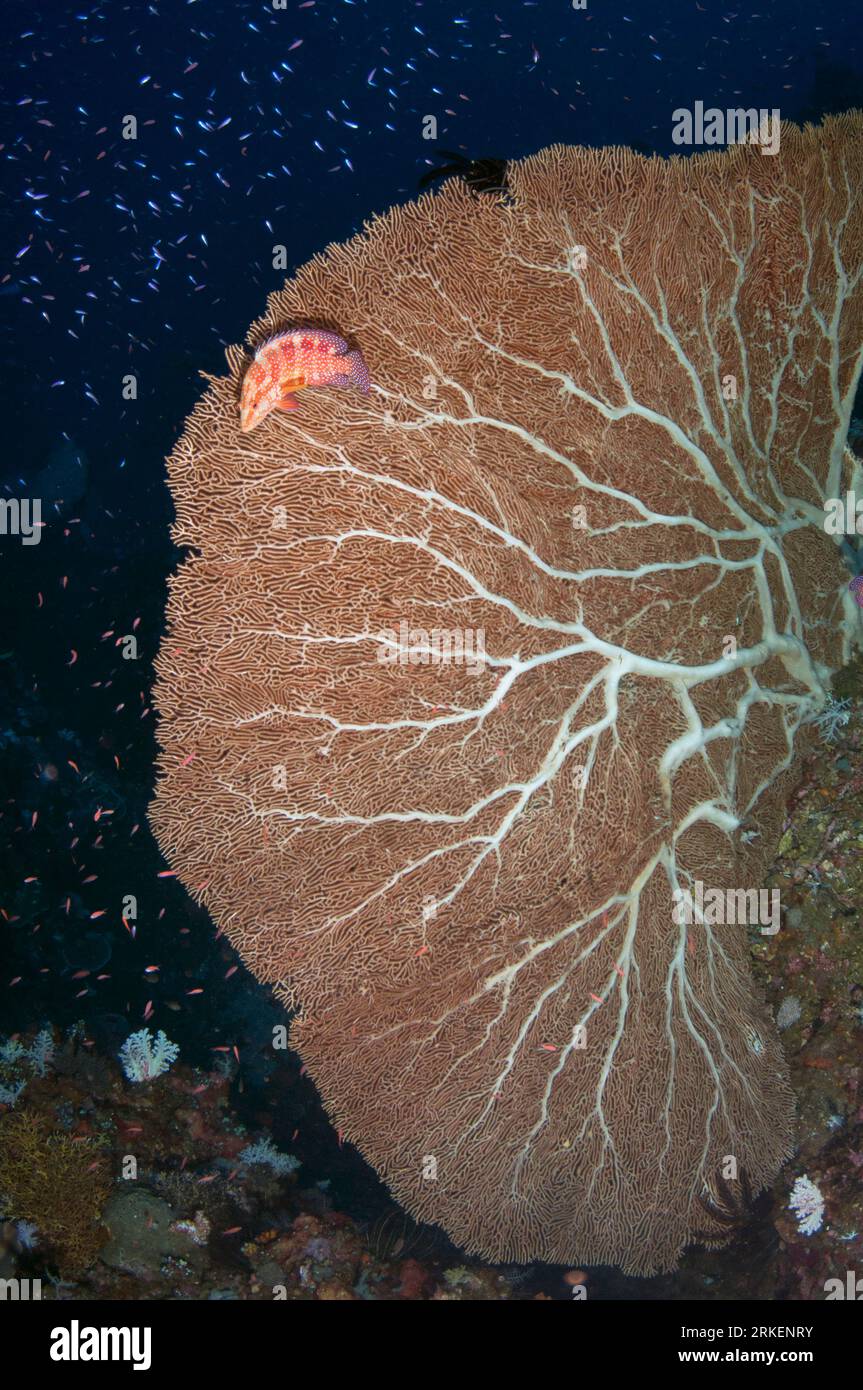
[{"x": 604, "y": 419}]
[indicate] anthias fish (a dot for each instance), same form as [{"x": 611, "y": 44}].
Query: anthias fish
[{"x": 290, "y": 362}]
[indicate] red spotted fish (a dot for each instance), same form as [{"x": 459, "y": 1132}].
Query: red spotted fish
[{"x": 290, "y": 362}]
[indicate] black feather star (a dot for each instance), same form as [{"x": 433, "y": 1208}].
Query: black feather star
[
  {"x": 480, "y": 175},
  {"x": 729, "y": 1212}
]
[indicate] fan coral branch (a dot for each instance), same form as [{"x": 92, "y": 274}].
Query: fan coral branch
[{"x": 605, "y": 417}]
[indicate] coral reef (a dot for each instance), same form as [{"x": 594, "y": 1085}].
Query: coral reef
[
  {"x": 53, "y": 1180},
  {"x": 18, "y": 1063},
  {"x": 807, "y": 1204},
  {"x": 605, "y": 415},
  {"x": 265, "y": 1152},
  {"x": 144, "y": 1057},
  {"x": 117, "y": 1192}
]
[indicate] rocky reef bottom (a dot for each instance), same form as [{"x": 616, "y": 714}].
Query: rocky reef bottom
[
  {"x": 114, "y": 1187},
  {"x": 156, "y": 1190}
]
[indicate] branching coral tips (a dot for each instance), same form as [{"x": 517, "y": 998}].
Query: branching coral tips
[{"x": 291, "y": 361}]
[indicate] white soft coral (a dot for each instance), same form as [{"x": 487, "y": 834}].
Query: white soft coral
[
  {"x": 807, "y": 1203},
  {"x": 144, "y": 1057}
]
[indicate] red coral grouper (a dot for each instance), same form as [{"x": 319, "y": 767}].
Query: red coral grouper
[{"x": 291, "y": 361}]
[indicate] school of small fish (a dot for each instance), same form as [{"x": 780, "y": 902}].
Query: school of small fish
[{"x": 198, "y": 125}]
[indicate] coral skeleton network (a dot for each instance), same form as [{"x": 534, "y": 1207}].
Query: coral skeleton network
[{"x": 686, "y": 382}]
